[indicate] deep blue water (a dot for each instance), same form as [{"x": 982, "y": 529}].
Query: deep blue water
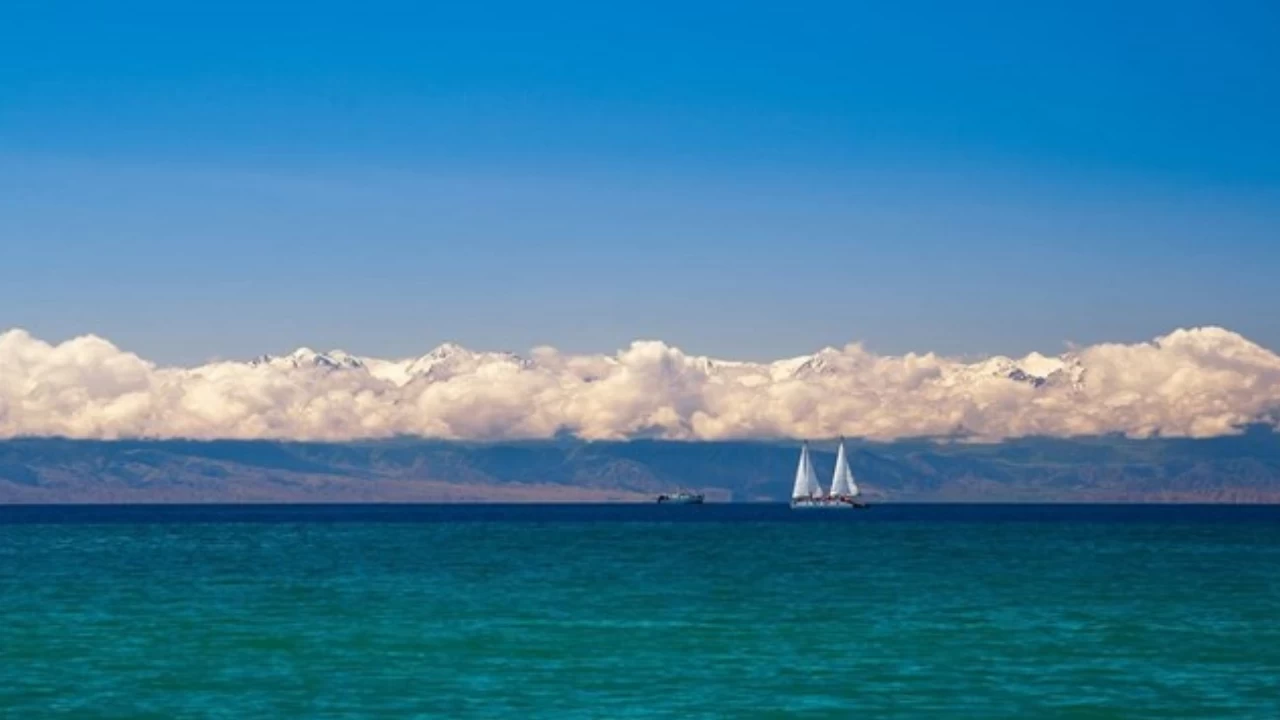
[{"x": 718, "y": 611}]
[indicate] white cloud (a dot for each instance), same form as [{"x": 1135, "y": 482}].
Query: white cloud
[{"x": 1198, "y": 382}]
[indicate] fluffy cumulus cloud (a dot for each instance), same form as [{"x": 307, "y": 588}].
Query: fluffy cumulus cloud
[{"x": 1199, "y": 382}]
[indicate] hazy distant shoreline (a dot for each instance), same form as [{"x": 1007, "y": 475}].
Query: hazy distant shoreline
[{"x": 1241, "y": 469}]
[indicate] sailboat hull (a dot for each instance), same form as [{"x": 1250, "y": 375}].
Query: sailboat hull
[{"x": 826, "y": 504}]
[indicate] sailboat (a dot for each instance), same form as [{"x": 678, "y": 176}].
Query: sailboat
[{"x": 807, "y": 491}]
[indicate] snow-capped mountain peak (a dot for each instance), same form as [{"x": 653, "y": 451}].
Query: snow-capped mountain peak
[
  {"x": 1035, "y": 370},
  {"x": 451, "y": 359},
  {"x": 305, "y": 357},
  {"x": 827, "y": 361}
]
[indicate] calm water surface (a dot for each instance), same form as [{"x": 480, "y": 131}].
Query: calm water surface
[{"x": 718, "y": 611}]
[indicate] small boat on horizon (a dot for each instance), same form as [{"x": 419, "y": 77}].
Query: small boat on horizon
[
  {"x": 681, "y": 497},
  {"x": 807, "y": 492}
]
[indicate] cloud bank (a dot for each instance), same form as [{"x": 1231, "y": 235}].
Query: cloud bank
[{"x": 1197, "y": 382}]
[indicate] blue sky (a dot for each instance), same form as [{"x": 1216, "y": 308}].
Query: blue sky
[{"x": 746, "y": 180}]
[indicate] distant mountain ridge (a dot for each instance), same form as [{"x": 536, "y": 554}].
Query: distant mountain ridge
[
  {"x": 450, "y": 358},
  {"x": 1241, "y": 468}
]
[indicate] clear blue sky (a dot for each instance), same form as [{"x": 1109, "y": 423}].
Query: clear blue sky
[{"x": 742, "y": 179}]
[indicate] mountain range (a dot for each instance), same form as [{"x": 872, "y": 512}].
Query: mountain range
[
  {"x": 1237, "y": 468},
  {"x": 451, "y": 359}
]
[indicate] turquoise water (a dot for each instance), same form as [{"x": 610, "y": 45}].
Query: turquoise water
[{"x": 618, "y": 613}]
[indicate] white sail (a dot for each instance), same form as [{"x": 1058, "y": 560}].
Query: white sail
[
  {"x": 806, "y": 479},
  {"x": 842, "y": 484}
]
